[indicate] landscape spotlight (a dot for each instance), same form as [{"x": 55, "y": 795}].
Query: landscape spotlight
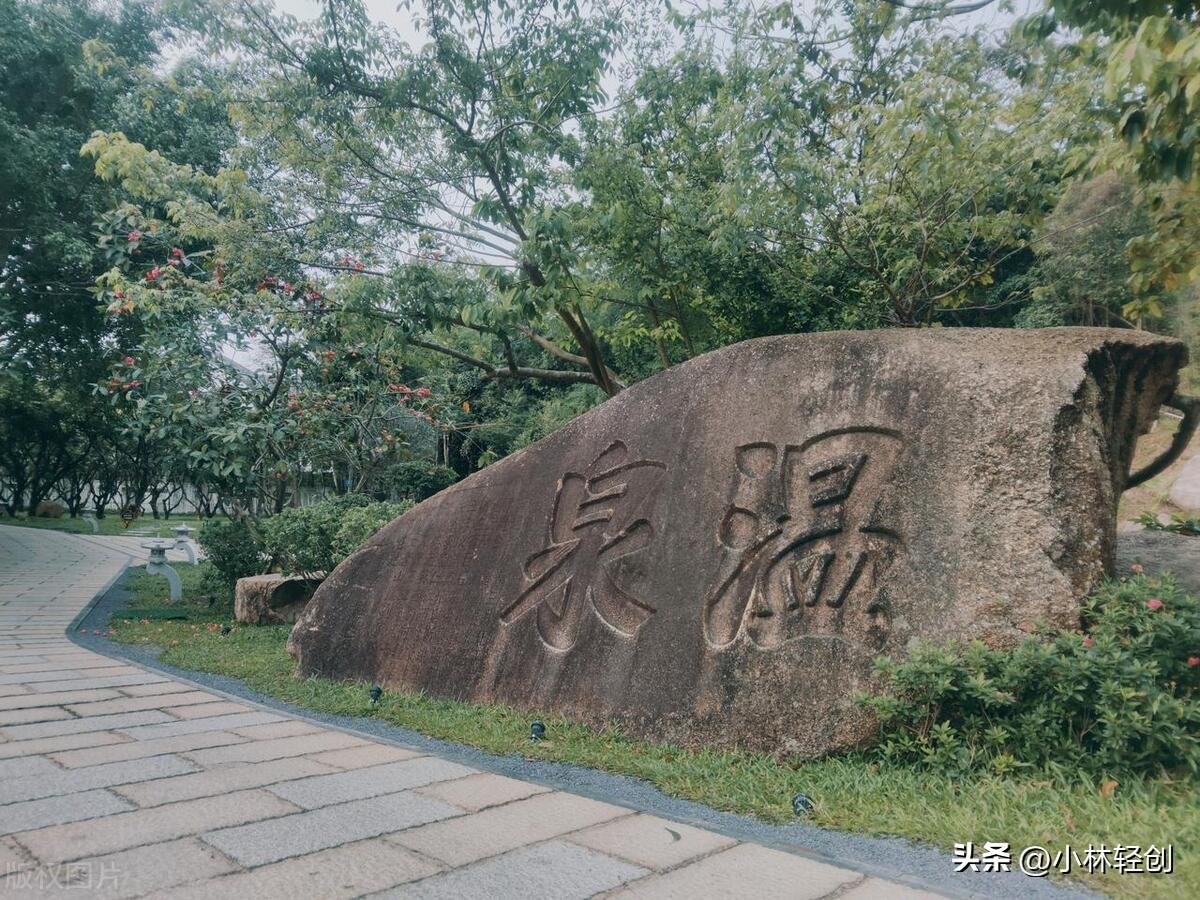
[
  {"x": 537, "y": 731},
  {"x": 376, "y": 692},
  {"x": 801, "y": 805}
]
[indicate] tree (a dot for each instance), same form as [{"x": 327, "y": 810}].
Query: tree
[
  {"x": 71, "y": 68},
  {"x": 457, "y": 151}
]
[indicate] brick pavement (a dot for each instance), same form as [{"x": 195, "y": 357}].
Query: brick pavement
[{"x": 120, "y": 782}]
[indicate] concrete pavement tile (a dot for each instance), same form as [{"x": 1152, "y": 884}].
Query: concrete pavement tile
[
  {"x": 63, "y": 742},
  {"x": 133, "y": 704},
  {"x": 554, "y": 869},
  {"x": 36, "y": 714},
  {"x": 290, "y": 728},
  {"x": 202, "y": 710},
  {"x": 366, "y": 755},
  {"x": 121, "y": 680},
  {"x": 94, "y": 756},
  {"x": 502, "y": 828},
  {"x": 260, "y": 751},
  {"x": 878, "y": 889},
  {"x": 61, "y": 843},
  {"x": 342, "y": 872},
  {"x": 57, "y": 810},
  {"x": 476, "y": 792},
  {"x": 78, "y": 726},
  {"x": 319, "y": 829},
  {"x": 358, "y": 784},
  {"x": 219, "y": 781},
  {"x": 156, "y": 687},
  {"x": 131, "y": 873},
  {"x": 67, "y": 781},
  {"x": 192, "y": 726},
  {"x": 746, "y": 870},
  {"x": 27, "y": 767},
  {"x": 56, "y": 698},
  {"x": 652, "y": 842}
]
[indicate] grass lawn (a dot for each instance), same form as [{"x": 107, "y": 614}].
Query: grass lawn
[
  {"x": 852, "y": 793},
  {"x": 110, "y": 524}
]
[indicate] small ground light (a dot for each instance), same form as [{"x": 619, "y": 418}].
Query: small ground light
[
  {"x": 376, "y": 692},
  {"x": 225, "y": 629},
  {"x": 537, "y": 731},
  {"x": 801, "y": 805}
]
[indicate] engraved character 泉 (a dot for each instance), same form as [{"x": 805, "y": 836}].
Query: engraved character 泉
[
  {"x": 599, "y": 517},
  {"x": 803, "y": 532}
]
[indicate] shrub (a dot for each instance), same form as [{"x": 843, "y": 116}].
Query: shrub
[
  {"x": 234, "y": 548},
  {"x": 310, "y": 539},
  {"x": 360, "y": 524},
  {"x": 417, "y": 480},
  {"x": 1122, "y": 696}
]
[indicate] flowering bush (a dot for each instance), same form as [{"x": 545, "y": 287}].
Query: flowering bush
[{"x": 1122, "y": 696}]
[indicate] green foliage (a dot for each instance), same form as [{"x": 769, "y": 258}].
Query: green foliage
[
  {"x": 312, "y": 539},
  {"x": 1122, "y": 697},
  {"x": 359, "y": 524},
  {"x": 417, "y": 480},
  {"x": 1179, "y": 524},
  {"x": 234, "y": 548}
]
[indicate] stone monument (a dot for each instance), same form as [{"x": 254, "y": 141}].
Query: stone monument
[{"x": 716, "y": 555}]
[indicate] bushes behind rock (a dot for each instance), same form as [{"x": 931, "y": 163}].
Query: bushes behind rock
[
  {"x": 1121, "y": 695},
  {"x": 316, "y": 538},
  {"x": 234, "y": 547}
]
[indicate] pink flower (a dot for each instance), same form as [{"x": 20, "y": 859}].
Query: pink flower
[
  {"x": 1154, "y": 603},
  {"x": 1136, "y": 569},
  {"x": 177, "y": 253},
  {"x": 133, "y": 236},
  {"x": 423, "y": 392},
  {"x": 1088, "y": 642},
  {"x": 154, "y": 274},
  {"x": 129, "y": 360},
  {"x": 1194, "y": 661},
  {"x": 329, "y": 354}
]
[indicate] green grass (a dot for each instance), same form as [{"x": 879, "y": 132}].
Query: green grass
[
  {"x": 852, "y": 793},
  {"x": 111, "y": 524}
]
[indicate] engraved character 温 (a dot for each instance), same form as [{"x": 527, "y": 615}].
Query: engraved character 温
[{"x": 803, "y": 537}]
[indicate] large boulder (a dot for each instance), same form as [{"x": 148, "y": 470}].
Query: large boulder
[
  {"x": 272, "y": 599},
  {"x": 716, "y": 555}
]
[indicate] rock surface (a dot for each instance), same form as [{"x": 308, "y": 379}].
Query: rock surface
[
  {"x": 1185, "y": 490},
  {"x": 1161, "y": 553},
  {"x": 272, "y": 599},
  {"x": 716, "y": 555}
]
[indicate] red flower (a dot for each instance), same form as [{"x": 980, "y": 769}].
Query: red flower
[
  {"x": 154, "y": 274},
  {"x": 1088, "y": 642},
  {"x": 177, "y": 253},
  {"x": 1154, "y": 603},
  {"x": 133, "y": 236},
  {"x": 329, "y": 354},
  {"x": 128, "y": 360},
  {"x": 1194, "y": 661},
  {"x": 423, "y": 392}
]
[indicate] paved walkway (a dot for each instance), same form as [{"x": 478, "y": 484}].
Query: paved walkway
[{"x": 116, "y": 781}]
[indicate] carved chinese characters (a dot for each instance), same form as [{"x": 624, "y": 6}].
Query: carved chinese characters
[
  {"x": 804, "y": 536},
  {"x": 598, "y": 518},
  {"x": 718, "y": 555}
]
